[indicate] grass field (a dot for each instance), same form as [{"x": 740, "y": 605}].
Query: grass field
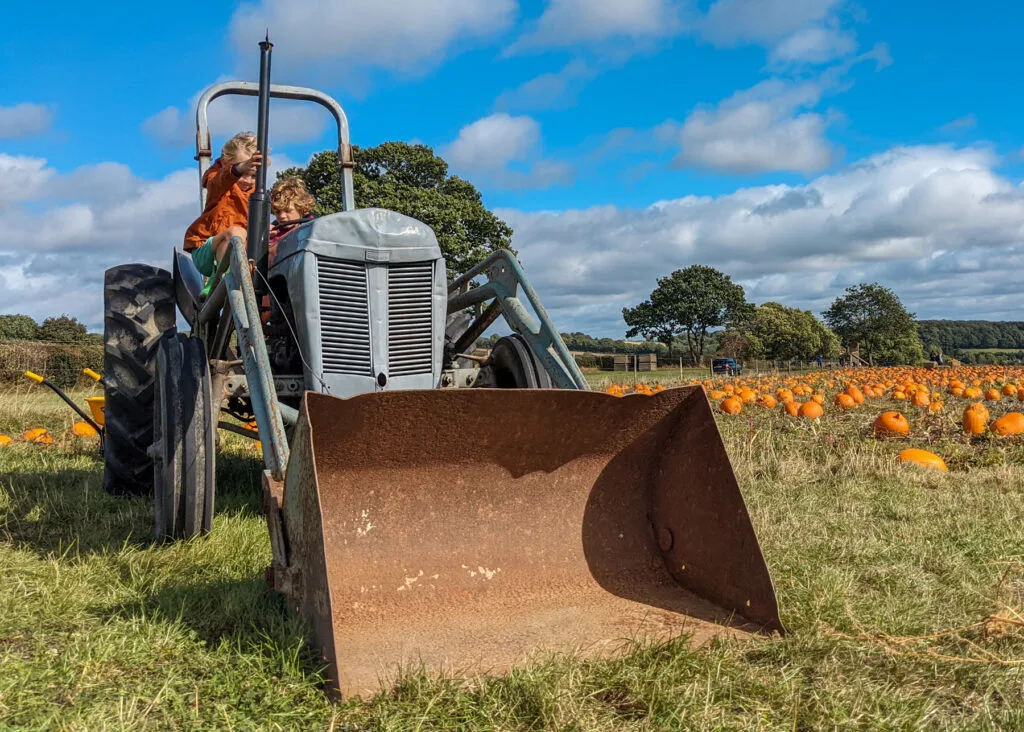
[{"x": 891, "y": 581}]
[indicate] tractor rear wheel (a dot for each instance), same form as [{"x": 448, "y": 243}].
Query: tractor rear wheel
[
  {"x": 138, "y": 309},
  {"x": 514, "y": 365},
  {"x": 184, "y": 445}
]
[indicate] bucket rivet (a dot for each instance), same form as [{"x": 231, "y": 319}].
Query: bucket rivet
[{"x": 665, "y": 539}]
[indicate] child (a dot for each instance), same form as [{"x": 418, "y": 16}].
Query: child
[
  {"x": 292, "y": 204},
  {"x": 229, "y": 183}
]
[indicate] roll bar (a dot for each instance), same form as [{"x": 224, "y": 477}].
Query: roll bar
[{"x": 204, "y": 154}]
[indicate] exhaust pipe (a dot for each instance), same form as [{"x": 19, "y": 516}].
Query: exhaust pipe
[{"x": 259, "y": 201}]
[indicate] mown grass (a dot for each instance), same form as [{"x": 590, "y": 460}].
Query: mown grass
[{"x": 101, "y": 630}]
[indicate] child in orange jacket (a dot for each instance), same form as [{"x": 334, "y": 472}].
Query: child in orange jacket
[{"x": 229, "y": 182}]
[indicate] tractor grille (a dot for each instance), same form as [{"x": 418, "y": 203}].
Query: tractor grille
[
  {"x": 410, "y": 318},
  {"x": 344, "y": 317}
]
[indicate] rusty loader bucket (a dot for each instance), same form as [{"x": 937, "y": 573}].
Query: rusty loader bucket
[{"x": 463, "y": 530}]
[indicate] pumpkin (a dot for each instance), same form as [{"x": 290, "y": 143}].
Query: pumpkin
[
  {"x": 731, "y": 405},
  {"x": 936, "y": 406},
  {"x": 972, "y": 392},
  {"x": 891, "y": 424},
  {"x": 793, "y": 408},
  {"x": 975, "y": 421},
  {"x": 33, "y": 434},
  {"x": 811, "y": 410},
  {"x": 899, "y": 396},
  {"x": 857, "y": 394},
  {"x": 993, "y": 395},
  {"x": 923, "y": 458},
  {"x": 921, "y": 399},
  {"x": 845, "y": 401},
  {"x": 819, "y": 398},
  {"x": 1011, "y": 423},
  {"x": 1009, "y": 390},
  {"x": 84, "y": 429},
  {"x": 717, "y": 395},
  {"x": 5, "y": 440},
  {"x": 768, "y": 401}
]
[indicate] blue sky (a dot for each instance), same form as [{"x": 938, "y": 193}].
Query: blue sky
[{"x": 799, "y": 145}]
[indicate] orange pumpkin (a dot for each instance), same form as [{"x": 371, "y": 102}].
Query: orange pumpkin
[
  {"x": 993, "y": 395},
  {"x": 5, "y": 440},
  {"x": 845, "y": 401},
  {"x": 975, "y": 421},
  {"x": 857, "y": 394},
  {"x": 84, "y": 429},
  {"x": 1011, "y": 423},
  {"x": 1009, "y": 390},
  {"x": 811, "y": 410},
  {"x": 923, "y": 458},
  {"x": 731, "y": 405},
  {"x": 768, "y": 401},
  {"x": 33, "y": 434},
  {"x": 936, "y": 406},
  {"x": 921, "y": 399},
  {"x": 891, "y": 424},
  {"x": 793, "y": 408},
  {"x": 717, "y": 395}
]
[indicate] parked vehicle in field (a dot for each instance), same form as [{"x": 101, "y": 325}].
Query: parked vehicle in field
[{"x": 726, "y": 366}]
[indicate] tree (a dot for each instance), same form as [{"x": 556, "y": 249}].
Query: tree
[
  {"x": 688, "y": 302},
  {"x": 63, "y": 329},
  {"x": 18, "y": 328},
  {"x": 872, "y": 317},
  {"x": 777, "y": 332},
  {"x": 412, "y": 180}
]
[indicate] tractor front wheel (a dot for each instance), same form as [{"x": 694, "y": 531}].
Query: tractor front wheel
[
  {"x": 513, "y": 365},
  {"x": 184, "y": 445},
  {"x": 138, "y": 310}
]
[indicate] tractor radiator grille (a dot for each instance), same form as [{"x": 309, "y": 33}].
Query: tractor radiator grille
[
  {"x": 410, "y": 318},
  {"x": 344, "y": 317}
]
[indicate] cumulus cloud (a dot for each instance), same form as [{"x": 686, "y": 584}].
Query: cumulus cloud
[
  {"x": 757, "y": 130},
  {"x": 571, "y": 22},
  {"x": 24, "y": 120},
  {"x": 932, "y": 222},
  {"x": 408, "y": 36},
  {"x": 71, "y": 227},
  {"x": 505, "y": 151},
  {"x": 290, "y": 121},
  {"x": 804, "y": 31},
  {"x": 555, "y": 90}
]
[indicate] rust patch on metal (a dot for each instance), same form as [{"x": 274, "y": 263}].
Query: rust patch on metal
[{"x": 467, "y": 529}]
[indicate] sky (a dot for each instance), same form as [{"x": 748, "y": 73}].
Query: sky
[{"x": 800, "y": 146}]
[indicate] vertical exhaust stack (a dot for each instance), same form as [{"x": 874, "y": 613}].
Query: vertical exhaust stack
[{"x": 259, "y": 202}]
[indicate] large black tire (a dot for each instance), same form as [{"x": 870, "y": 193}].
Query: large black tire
[
  {"x": 515, "y": 367},
  {"x": 138, "y": 310},
  {"x": 184, "y": 440}
]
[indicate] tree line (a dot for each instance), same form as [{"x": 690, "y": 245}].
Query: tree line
[
  {"x": 688, "y": 305},
  {"x": 58, "y": 329}
]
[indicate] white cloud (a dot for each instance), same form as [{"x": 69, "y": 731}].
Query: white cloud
[
  {"x": 494, "y": 149},
  {"x": 21, "y": 178},
  {"x": 397, "y": 35},
  {"x": 757, "y": 130},
  {"x": 555, "y": 90},
  {"x": 72, "y": 227},
  {"x": 24, "y": 120},
  {"x": 571, "y": 22},
  {"x": 966, "y": 122},
  {"x": 794, "y": 31},
  {"x": 290, "y": 121},
  {"x": 936, "y": 223}
]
